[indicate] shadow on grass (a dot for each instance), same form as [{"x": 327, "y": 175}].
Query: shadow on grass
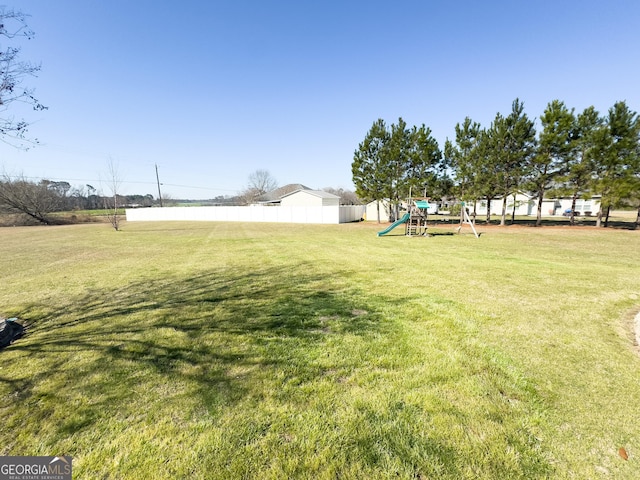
[
  {"x": 206, "y": 324},
  {"x": 188, "y": 350}
]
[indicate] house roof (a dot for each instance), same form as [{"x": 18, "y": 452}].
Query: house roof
[
  {"x": 278, "y": 193},
  {"x": 315, "y": 193}
]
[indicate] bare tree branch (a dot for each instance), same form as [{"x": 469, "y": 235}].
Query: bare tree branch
[
  {"x": 13, "y": 72},
  {"x": 36, "y": 200},
  {"x": 260, "y": 182}
]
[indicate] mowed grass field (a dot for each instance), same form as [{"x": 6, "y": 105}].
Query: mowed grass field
[{"x": 221, "y": 350}]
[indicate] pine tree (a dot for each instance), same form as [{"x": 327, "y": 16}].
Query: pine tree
[
  {"x": 368, "y": 168},
  {"x": 616, "y": 149},
  {"x": 556, "y": 146}
]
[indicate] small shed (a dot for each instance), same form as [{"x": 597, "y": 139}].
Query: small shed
[
  {"x": 386, "y": 211},
  {"x": 310, "y": 198}
]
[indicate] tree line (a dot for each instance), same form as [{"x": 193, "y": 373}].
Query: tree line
[
  {"x": 38, "y": 200},
  {"x": 576, "y": 155}
]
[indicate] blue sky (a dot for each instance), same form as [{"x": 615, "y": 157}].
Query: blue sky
[{"x": 211, "y": 91}]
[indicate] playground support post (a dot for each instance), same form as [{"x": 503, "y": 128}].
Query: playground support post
[{"x": 464, "y": 218}]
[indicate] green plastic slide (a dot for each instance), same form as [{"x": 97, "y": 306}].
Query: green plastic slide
[{"x": 404, "y": 219}]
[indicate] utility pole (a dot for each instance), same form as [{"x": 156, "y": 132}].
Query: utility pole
[{"x": 158, "y": 180}]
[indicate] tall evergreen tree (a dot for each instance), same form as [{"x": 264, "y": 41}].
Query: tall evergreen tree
[
  {"x": 369, "y": 167},
  {"x": 415, "y": 162},
  {"x": 634, "y": 197},
  {"x": 511, "y": 143},
  {"x": 391, "y": 161},
  {"x": 425, "y": 167},
  {"x": 463, "y": 157},
  {"x": 578, "y": 172},
  {"x": 617, "y": 150},
  {"x": 555, "y": 149},
  {"x": 397, "y": 159},
  {"x": 487, "y": 167}
]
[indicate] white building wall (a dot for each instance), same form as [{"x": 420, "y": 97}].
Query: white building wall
[
  {"x": 589, "y": 206},
  {"x": 524, "y": 206},
  {"x": 306, "y": 199}
]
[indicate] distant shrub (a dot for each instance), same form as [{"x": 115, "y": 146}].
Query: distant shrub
[{"x": 455, "y": 209}]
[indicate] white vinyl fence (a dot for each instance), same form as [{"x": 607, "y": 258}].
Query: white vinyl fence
[
  {"x": 253, "y": 213},
  {"x": 351, "y": 213}
]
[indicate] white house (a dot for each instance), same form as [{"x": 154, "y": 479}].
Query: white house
[
  {"x": 525, "y": 205},
  {"x": 528, "y": 205},
  {"x": 274, "y": 196},
  {"x": 584, "y": 206},
  {"x": 309, "y": 198}
]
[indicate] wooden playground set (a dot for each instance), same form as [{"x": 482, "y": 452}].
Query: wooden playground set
[{"x": 416, "y": 216}]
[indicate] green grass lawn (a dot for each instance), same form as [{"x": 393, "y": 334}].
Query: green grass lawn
[{"x": 225, "y": 350}]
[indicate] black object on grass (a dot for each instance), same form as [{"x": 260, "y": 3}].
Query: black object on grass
[{"x": 10, "y": 330}]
